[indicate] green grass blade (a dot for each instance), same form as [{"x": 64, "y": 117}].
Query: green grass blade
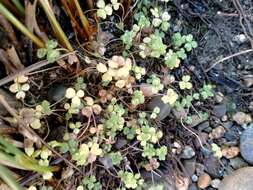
[
  {"x": 7, "y": 177},
  {"x": 11, "y": 18},
  {"x": 19, "y": 6}
]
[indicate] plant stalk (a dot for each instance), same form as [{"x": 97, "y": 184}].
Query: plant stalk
[
  {"x": 11, "y": 18},
  {"x": 55, "y": 24},
  {"x": 19, "y": 6},
  {"x": 83, "y": 19},
  {"x": 7, "y": 177}
]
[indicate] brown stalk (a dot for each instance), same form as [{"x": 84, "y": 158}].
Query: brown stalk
[
  {"x": 83, "y": 19},
  {"x": 9, "y": 30},
  {"x": 77, "y": 28},
  {"x": 11, "y": 7}
]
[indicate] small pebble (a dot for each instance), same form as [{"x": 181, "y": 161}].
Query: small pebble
[
  {"x": 217, "y": 132},
  {"x": 242, "y": 118},
  {"x": 251, "y": 106},
  {"x": 164, "y": 108},
  {"x": 200, "y": 168},
  {"x": 220, "y": 110},
  {"x": 248, "y": 80},
  {"x": 237, "y": 163},
  {"x": 240, "y": 38},
  {"x": 203, "y": 126},
  {"x": 188, "y": 152},
  {"x": 195, "y": 178},
  {"x": 230, "y": 152},
  {"x": 224, "y": 118},
  {"x": 219, "y": 97},
  {"x": 215, "y": 183},
  {"x": 204, "y": 181}
]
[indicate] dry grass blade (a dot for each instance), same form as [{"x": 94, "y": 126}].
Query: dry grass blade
[
  {"x": 30, "y": 19},
  {"x": 14, "y": 58},
  {"x": 29, "y": 69}
]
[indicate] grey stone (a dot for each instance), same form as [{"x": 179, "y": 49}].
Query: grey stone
[
  {"x": 106, "y": 161},
  {"x": 246, "y": 145},
  {"x": 200, "y": 168},
  {"x": 212, "y": 167},
  {"x": 215, "y": 183},
  {"x": 56, "y": 93},
  {"x": 120, "y": 143},
  {"x": 237, "y": 163},
  {"x": 188, "y": 152},
  {"x": 240, "y": 179},
  {"x": 193, "y": 187},
  {"x": 203, "y": 126},
  {"x": 190, "y": 166},
  {"x": 164, "y": 108},
  {"x": 220, "y": 110},
  {"x": 153, "y": 179}
]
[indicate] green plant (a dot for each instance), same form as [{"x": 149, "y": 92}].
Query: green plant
[
  {"x": 152, "y": 46},
  {"x": 171, "y": 59},
  {"x": 138, "y": 98},
  {"x": 185, "y": 84},
  {"x": 87, "y": 153},
  {"x": 148, "y": 134},
  {"x": 128, "y": 36},
  {"x": 170, "y": 97},
  {"x": 91, "y": 183},
  {"x": 50, "y": 51},
  {"x": 75, "y": 127},
  {"x": 138, "y": 71},
  {"x": 8, "y": 178},
  {"x": 130, "y": 180},
  {"x": 206, "y": 91},
  {"x": 115, "y": 121},
  {"x": 118, "y": 69},
  {"x": 155, "y": 83},
  {"x": 155, "y": 112},
  {"x": 116, "y": 158},
  {"x": 216, "y": 150},
  {"x": 160, "y": 19},
  {"x": 105, "y": 10}
]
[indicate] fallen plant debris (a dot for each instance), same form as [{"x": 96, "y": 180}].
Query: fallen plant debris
[{"x": 113, "y": 94}]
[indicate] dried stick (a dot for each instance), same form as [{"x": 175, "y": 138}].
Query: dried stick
[
  {"x": 228, "y": 57},
  {"x": 29, "y": 69}
]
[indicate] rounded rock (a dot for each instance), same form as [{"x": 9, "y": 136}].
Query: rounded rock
[
  {"x": 204, "y": 181},
  {"x": 188, "y": 152},
  {"x": 240, "y": 179},
  {"x": 246, "y": 145}
]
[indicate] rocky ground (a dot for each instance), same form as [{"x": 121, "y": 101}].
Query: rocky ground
[{"x": 231, "y": 124}]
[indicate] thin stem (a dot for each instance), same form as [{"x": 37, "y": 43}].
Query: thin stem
[
  {"x": 55, "y": 24},
  {"x": 19, "y": 6},
  {"x": 11, "y": 18},
  {"x": 229, "y": 57},
  {"x": 83, "y": 19},
  {"x": 7, "y": 177}
]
